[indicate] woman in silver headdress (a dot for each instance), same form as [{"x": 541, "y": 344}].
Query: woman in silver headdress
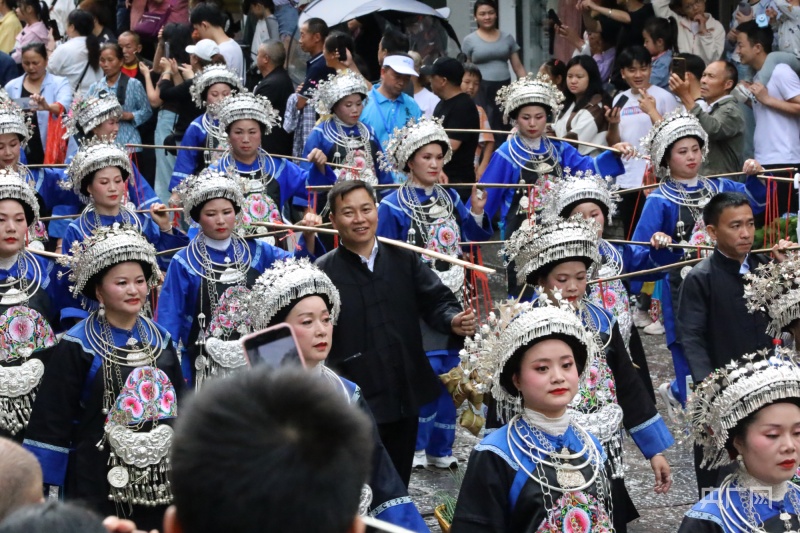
[
  {"x": 298, "y": 293},
  {"x": 269, "y": 183},
  {"x": 100, "y": 423},
  {"x": 27, "y": 302},
  {"x": 201, "y": 301},
  {"x": 542, "y": 471},
  {"x": 209, "y": 86},
  {"x": 749, "y": 412},
  {"x": 341, "y": 136},
  {"x": 774, "y": 289},
  {"x": 425, "y": 214},
  {"x": 558, "y": 256},
  {"x": 673, "y": 212}
]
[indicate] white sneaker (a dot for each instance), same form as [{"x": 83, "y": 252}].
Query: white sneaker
[
  {"x": 674, "y": 409},
  {"x": 641, "y": 319},
  {"x": 446, "y": 463},
  {"x": 656, "y": 328},
  {"x": 420, "y": 460}
]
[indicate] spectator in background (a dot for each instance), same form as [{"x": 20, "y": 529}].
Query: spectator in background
[
  {"x": 313, "y": 33},
  {"x": 209, "y": 23},
  {"x": 9, "y": 25},
  {"x": 426, "y": 100},
  {"x": 260, "y": 27},
  {"x": 626, "y": 19},
  {"x": 694, "y": 72},
  {"x": 50, "y": 95},
  {"x": 78, "y": 59},
  {"x": 471, "y": 85},
  {"x": 36, "y": 16},
  {"x": 8, "y": 68},
  {"x": 457, "y": 111},
  {"x": 392, "y": 42},
  {"x": 491, "y": 51},
  {"x": 99, "y": 12},
  {"x": 698, "y": 32},
  {"x": 131, "y": 46},
  {"x": 287, "y": 15},
  {"x": 598, "y": 44},
  {"x": 265, "y": 429},
  {"x": 277, "y": 86},
  {"x": 722, "y": 119},
  {"x": 785, "y": 20},
  {"x": 20, "y": 478},
  {"x": 659, "y": 39},
  {"x": 556, "y": 70},
  {"x": 583, "y": 116},
  {"x": 776, "y": 109},
  {"x": 336, "y": 43}
]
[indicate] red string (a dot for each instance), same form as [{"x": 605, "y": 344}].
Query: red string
[
  {"x": 602, "y": 293},
  {"x": 633, "y": 218},
  {"x": 154, "y": 299},
  {"x": 788, "y": 210}
]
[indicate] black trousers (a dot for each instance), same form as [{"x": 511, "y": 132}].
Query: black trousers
[{"x": 400, "y": 439}]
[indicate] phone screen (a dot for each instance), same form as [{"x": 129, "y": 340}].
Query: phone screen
[
  {"x": 679, "y": 67},
  {"x": 274, "y": 347},
  {"x": 623, "y": 99}
]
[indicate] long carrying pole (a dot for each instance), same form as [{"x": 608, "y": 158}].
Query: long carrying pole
[
  {"x": 501, "y": 132},
  {"x": 393, "y": 242}
]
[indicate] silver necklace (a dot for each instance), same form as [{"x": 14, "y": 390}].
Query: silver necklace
[
  {"x": 440, "y": 206},
  {"x": 524, "y": 155},
  {"x": 90, "y": 220}
]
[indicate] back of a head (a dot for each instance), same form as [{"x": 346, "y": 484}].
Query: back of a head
[
  {"x": 269, "y": 451},
  {"x": 207, "y": 12},
  {"x": 395, "y": 42},
  {"x": 82, "y": 21},
  {"x": 53, "y": 517},
  {"x": 20, "y": 478},
  {"x": 694, "y": 65}
]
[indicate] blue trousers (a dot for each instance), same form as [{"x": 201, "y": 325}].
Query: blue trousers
[{"x": 437, "y": 420}]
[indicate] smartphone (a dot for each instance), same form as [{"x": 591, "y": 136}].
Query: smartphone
[
  {"x": 341, "y": 49},
  {"x": 166, "y": 50},
  {"x": 274, "y": 347},
  {"x": 678, "y": 67},
  {"x": 24, "y": 103},
  {"x": 623, "y": 99},
  {"x": 553, "y": 16}
]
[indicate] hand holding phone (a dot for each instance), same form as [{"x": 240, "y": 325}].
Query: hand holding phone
[
  {"x": 553, "y": 16},
  {"x": 621, "y": 101},
  {"x": 274, "y": 347},
  {"x": 678, "y": 67}
]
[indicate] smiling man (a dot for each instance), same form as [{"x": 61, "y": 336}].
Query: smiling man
[{"x": 377, "y": 342}]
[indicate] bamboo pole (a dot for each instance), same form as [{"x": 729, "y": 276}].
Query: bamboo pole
[
  {"x": 672, "y": 245},
  {"x": 250, "y": 236},
  {"x": 50, "y": 165},
  {"x": 501, "y": 132},
  {"x": 143, "y": 211},
  {"x": 638, "y": 189},
  {"x": 445, "y": 185},
  {"x": 50, "y": 255},
  {"x": 679, "y": 264},
  {"x": 393, "y": 242}
]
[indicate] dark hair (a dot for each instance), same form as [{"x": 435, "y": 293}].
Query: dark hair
[
  {"x": 39, "y": 48},
  {"x": 757, "y": 35},
  {"x": 568, "y": 209},
  {"x": 90, "y": 289},
  {"x": 535, "y": 278},
  {"x": 472, "y": 68},
  {"x": 269, "y": 4},
  {"x": 479, "y": 3},
  {"x": 336, "y": 39},
  {"x": 53, "y": 517},
  {"x": 740, "y": 429},
  {"x": 633, "y": 54},
  {"x": 89, "y": 179},
  {"x": 394, "y": 41},
  {"x": 668, "y": 152},
  {"x": 114, "y": 47},
  {"x": 284, "y": 311},
  {"x": 557, "y": 69},
  {"x": 179, "y": 36},
  {"x": 514, "y": 363},
  {"x": 719, "y": 203},
  {"x": 317, "y": 25},
  {"x": 11, "y": 4},
  {"x": 98, "y": 9},
  {"x": 694, "y": 65},
  {"x": 207, "y": 12},
  {"x": 342, "y": 188},
  {"x": 196, "y": 210},
  {"x": 83, "y": 22},
  {"x": 39, "y": 8},
  {"x": 732, "y": 72},
  {"x": 665, "y": 29},
  {"x": 264, "y": 429},
  {"x": 514, "y": 113},
  {"x": 595, "y": 86}
]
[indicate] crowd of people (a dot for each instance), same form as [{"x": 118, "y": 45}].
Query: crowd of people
[{"x": 164, "y": 195}]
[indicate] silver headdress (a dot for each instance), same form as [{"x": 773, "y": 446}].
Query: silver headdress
[
  {"x": 209, "y": 76},
  {"x": 85, "y": 115},
  {"x": 529, "y": 90},
  {"x": 578, "y": 186},
  {"x": 338, "y": 86},
  {"x": 732, "y": 393},
  {"x": 414, "y": 135},
  {"x": 673, "y": 127},
  {"x": 533, "y": 247},
  {"x": 208, "y": 185},
  {"x": 774, "y": 289},
  {"x": 245, "y": 106},
  {"x": 13, "y": 120},
  {"x": 106, "y": 247},
  {"x": 94, "y": 154},
  {"x": 14, "y": 187},
  {"x": 284, "y": 282},
  {"x": 516, "y": 324}
]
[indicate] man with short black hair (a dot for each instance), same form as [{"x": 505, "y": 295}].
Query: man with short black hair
[
  {"x": 392, "y": 42},
  {"x": 209, "y": 23},
  {"x": 313, "y": 33},
  {"x": 277, "y": 86},
  {"x": 269, "y": 450},
  {"x": 457, "y": 111}
]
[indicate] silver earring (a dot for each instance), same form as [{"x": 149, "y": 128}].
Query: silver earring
[
  {"x": 740, "y": 460},
  {"x": 102, "y": 311}
]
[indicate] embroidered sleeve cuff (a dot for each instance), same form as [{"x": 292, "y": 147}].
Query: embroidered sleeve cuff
[
  {"x": 400, "y": 512},
  {"x": 53, "y": 460},
  {"x": 652, "y": 436}
]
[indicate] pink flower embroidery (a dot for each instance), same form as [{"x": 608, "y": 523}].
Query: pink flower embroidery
[{"x": 21, "y": 329}]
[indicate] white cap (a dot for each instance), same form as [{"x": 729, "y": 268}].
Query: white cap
[
  {"x": 205, "y": 49},
  {"x": 401, "y": 65}
]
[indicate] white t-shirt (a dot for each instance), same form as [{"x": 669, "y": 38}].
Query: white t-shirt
[
  {"x": 777, "y": 135},
  {"x": 260, "y": 35},
  {"x": 426, "y": 101},
  {"x": 634, "y": 125},
  {"x": 234, "y": 58}
]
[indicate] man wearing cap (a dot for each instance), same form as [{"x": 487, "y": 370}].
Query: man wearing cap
[
  {"x": 388, "y": 107},
  {"x": 457, "y": 111}
]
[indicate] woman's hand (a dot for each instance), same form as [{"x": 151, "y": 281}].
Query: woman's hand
[
  {"x": 310, "y": 219},
  {"x": 185, "y": 70},
  {"x": 661, "y": 470},
  {"x": 174, "y": 199},
  {"x": 319, "y": 159},
  {"x": 570, "y": 35},
  {"x": 464, "y": 323},
  {"x": 478, "y": 200},
  {"x": 751, "y": 167},
  {"x": 660, "y": 240},
  {"x": 40, "y": 103},
  {"x": 161, "y": 217},
  {"x": 626, "y": 150},
  {"x": 144, "y": 68}
]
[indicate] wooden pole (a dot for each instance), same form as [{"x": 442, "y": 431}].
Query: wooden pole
[
  {"x": 445, "y": 185},
  {"x": 50, "y": 255},
  {"x": 672, "y": 245},
  {"x": 76, "y": 215},
  {"x": 638, "y": 189},
  {"x": 393, "y": 242},
  {"x": 679, "y": 264},
  {"x": 501, "y": 132},
  {"x": 51, "y": 165}
]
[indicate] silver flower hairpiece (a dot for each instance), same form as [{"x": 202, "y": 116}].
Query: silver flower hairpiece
[
  {"x": 406, "y": 140},
  {"x": 529, "y": 90},
  {"x": 14, "y": 120},
  {"x": 14, "y": 187},
  {"x": 335, "y": 87},
  {"x": 209, "y": 76},
  {"x": 93, "y": 155},
  {"x": 88, "y": 113},
  {"x": 578, "y": 186},
  {"x": 670, "y": 129},
  {"x": 207, "y": 185},
  {"x": 774, "y": 289},
  {"x": 245, "y": 105}
]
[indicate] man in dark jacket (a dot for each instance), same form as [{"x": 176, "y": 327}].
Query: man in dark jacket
[
  {"x": 377, "y": 342},
  {"x": 277, "y": 86}
]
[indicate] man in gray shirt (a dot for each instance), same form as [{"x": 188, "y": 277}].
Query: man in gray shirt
[{"x": 723, "y": 121}]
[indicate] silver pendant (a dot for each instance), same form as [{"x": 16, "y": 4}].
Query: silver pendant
[
  {"x": 702, "y": 202},
  {"x": 254, "y": 186},
  {"x": 231, "y": 276},
  {"x": 136, "y": 358},
  {"x": 685, "y": 271},
  {"x": 569, "y": 479},
  {"x": 524, "y": 202},
  {"x": 365, "y": 500},
  {"x": 13, "y": 297},
  {"x": 437, "y": 211},
  {"x": 118, "y": 477}
]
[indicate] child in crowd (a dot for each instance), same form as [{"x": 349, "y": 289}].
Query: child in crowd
[
  {"x": 471, "y": 84},
  {"x": 659, "y": 39}
]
